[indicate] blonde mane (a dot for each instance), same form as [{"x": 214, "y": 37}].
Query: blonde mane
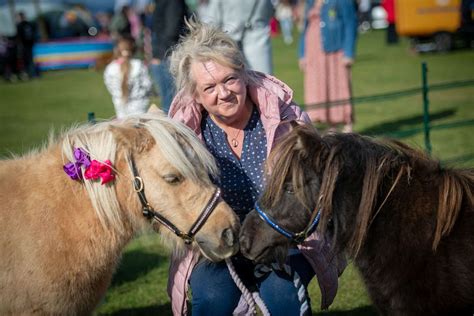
[{"x": 178, "y": 143}]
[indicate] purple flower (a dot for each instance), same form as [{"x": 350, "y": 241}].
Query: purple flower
[
  {"x": 82, "y": 158},
  {"x": 73, "y": 169}
]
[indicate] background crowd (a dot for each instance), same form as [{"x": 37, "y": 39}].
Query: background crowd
[{"x": 327, "y": 31}]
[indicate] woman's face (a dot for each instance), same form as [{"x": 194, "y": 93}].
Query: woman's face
[{"x": 221, "y": 90}]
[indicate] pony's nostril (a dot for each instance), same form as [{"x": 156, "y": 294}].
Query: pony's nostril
[
  {"x": 244, "y": 244},
  {"x": 228, "y": 237}
]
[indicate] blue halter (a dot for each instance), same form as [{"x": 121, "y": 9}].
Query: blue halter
[{"x": 296, "y": 237}]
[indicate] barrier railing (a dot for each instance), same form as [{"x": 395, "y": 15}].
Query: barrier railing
[{"x": 424, "y": 90}]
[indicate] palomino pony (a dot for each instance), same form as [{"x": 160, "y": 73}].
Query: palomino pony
[
  {"x": 62, "y": 233},
  {"x": 406, "y": 221}
]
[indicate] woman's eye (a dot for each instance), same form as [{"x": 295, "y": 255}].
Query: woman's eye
[
  {"x": 209, "y": 90},
  {"x": 172, "y": 179},
  {"x": 231, "y": 80}
]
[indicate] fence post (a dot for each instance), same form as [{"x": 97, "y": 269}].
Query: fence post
[
  {"x": 91, "y": 117},
  {"x": 426, "y": 103}
]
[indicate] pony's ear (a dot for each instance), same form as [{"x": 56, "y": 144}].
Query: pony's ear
[
  {"x": 153, "y": 109},
  {"x": 308, "y": 140},
  {"x": 136, "y": 138},
  {"x": 293, "y": 123}
]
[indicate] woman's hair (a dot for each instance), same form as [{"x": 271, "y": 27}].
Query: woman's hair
[
  {"x": 204, "y": 43},
  {"x": 125, "y": 49}
]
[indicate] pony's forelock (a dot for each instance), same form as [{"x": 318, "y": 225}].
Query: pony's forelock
[{"x": 290, "y": 169}]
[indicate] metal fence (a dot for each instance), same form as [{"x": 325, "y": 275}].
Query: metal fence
[{"x": 424, "y": 90}]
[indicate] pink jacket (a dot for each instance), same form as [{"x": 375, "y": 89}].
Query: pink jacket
[{"x": 274, "y": 101}]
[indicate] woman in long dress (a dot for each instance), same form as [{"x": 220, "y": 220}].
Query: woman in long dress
[{"x": 327, "y": 48}]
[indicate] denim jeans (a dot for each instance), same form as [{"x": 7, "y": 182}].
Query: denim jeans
[
  {"x": 164, "y": 83},
  {"x": 215, "y": 293}
]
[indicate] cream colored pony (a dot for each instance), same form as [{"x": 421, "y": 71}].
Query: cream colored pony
[{"x": 61, "y": 239}]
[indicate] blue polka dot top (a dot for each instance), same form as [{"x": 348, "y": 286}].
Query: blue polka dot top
[{"x": 241, "y": 180}]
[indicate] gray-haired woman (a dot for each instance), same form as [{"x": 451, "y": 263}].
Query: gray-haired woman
[{"x": 237, "y": 113}]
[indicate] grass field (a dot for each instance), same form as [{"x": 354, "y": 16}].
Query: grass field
[{"x": 30, "y": 110}]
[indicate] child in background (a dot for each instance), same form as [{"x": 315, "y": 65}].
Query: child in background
[{"x": 127, "y": 80}]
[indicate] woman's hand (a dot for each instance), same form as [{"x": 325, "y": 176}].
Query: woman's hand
[{"x": 346, "y": 61}]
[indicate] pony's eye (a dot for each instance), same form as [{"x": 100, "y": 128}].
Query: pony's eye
[
  {"x": 289, "y": 189},
  {"x": 172, "y": 178}
]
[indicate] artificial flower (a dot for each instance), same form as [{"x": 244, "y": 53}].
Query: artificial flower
[
  {"x": 82, "y": 157},
  {"x": 73, "y": 171},
  {"x": 100, "y": 170}
]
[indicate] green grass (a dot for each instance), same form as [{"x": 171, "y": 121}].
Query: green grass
[{"x": 29, "y": 110}]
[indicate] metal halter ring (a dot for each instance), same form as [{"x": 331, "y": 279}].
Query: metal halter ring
[{"x": 137, "y": 181}]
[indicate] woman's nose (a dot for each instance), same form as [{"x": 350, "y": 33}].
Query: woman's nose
[{"x": 222, "y": 91}]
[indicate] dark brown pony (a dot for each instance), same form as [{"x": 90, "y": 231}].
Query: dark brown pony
[{"x": 406, "y": 221}]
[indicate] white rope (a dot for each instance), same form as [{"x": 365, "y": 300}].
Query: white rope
[
  {"x": 250, "y": 298},
  {"x": 302, "y": 297},
  {"x": 261, "y": 270},
  {"x": 245, "y": 292}
]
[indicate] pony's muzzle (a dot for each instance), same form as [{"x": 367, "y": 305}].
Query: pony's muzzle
[{"x": 217, "y": 250}]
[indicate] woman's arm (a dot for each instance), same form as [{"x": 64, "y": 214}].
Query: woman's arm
[{"x": 349, "y": 20}]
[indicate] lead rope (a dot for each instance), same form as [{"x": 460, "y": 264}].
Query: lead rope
[
  {"x": 250, "y": 298},
  {"x": 261, "y": 270}
]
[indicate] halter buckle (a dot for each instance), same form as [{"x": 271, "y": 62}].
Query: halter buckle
[
  {"x": 299, "y": 237},
  {"x": 147, "y": 211},
  {"x": 187, "y": 239},
  {"x": 138, "y": 184}
]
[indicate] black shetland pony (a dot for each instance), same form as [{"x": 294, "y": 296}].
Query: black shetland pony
[{"x": 406, "y": 221}]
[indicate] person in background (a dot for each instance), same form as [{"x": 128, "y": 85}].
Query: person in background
[
  {"x": 240, "y": 115},
  {"x": 127, "y": 80},
  {"x": 146, "y": 18},
  {"x": 364, "y": 15},
  {"x": 3, "y": 56},
  {"x": 11, "y": 71},
  {"x": 167, "y": 27},
  {"x": 284, "y": 15},
  {"x": 389, "y": 7},
  {"x": 135, "y": 24},
  {"x": 27, "y": 35},
  {"x": 120, "y": 24},
  {"x": 248, "y": 23},
  {"x": 326, "y": 54},
  {"x": 201, "y": 8}
]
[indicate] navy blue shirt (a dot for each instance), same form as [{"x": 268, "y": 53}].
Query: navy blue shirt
[{"x": 241, "y": 181}]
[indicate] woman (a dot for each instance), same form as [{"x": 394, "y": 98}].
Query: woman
[
  {"x": 326, "y": 53},
  {"x": 127, "y": 80},
  {"x": 237, "y": 113}
]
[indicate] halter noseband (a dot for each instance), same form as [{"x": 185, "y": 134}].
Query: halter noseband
[
  {"x": 296, "y": 237},
  {"x": 150, "y": 213}
]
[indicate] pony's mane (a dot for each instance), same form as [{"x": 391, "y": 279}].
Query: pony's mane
[
  {"x": 178, "y": 144},
  {"x": 394, "y": 158},
  {"x": 303, "y": 148}
]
